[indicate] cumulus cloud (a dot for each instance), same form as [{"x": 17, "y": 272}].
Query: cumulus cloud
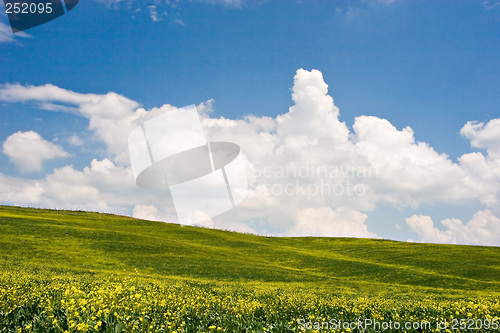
[
  {"x": 309, "y": 174},
  {"x": 409, "y": 173},
  {"x": 373, "y": 163},
  {"x": 326, "y": 222},
  {"x": 483, "y": 135},
  {"x": 111, "y": 116},
  {"x": 145, "y": 212},
  {"x": 27, "y": 150},
  {"x": 20, "y": 191},
  {"x": 308, "y": 158},
  {"x": 102, "y": 186},
  {"x": 483, "y": 170},
  {"x": 482, "y": 229},
  {"x": 308, "y": 163}
]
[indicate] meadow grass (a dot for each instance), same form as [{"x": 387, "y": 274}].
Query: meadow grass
[{"x": 89, "y": 272}]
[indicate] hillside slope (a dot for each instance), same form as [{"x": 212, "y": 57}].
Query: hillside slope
[{"x": 84, "y": 241}]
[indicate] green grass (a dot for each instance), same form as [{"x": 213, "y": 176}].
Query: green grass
[
  {"x": 102, "y": 242},
  {"x": 67, "y": 271}
]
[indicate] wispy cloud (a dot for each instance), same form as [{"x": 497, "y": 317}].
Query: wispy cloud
[
  {"x": 491, "y": 5},
  {"x": 7, "y": 36},
  {"x": 153, "y": 13},
  {"x": 158, "y": 10},
  {"x": 114, "y": 3},
  {"x": 180, "y": 22},
  {"x": 233, "y": 3}
]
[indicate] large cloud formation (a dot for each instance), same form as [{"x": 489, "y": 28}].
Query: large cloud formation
[{"x": 309, "y": 174}]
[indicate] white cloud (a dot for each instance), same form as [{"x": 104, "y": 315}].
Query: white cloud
[
  {"x": 115, "y": 3},
  {"x": 492, "y": 6},
  {"x": 374, "y": 163},
  {"x": 145, "y": 212},
  {"x": 482, "y": 229},
  {"x": 75, "y": 140},
  {"x": 153, "y": 13},
  {"x": 27, "y": 150},
  {"x": 158, "y": 10},
  {"x": 7, "y": 36},
  {"x": 112, "y": 3},
  {"x": 102, "y": 186},
  {"x": 483, "y": 135},
  {"x": 326, "y": 222},
  {"x": 235, "y": 3},
  {"x": 111, "y": 116},
  {"x": 310, "y": 174},
  {"x": 386, "y": 2},
  {"x": 20, "y": 191},
  {"x": 46, "y": 93},
  {"x": 483, "y": 172},
  {"x": 180, "y": 22},
  {"x": 409, "y": 173},
  {"x": 385, "y": 163}
]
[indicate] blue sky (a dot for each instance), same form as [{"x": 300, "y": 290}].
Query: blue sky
[{"x": 432, "y": 66}]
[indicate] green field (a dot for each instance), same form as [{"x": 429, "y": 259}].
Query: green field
[{"x": 89, "y": 272}]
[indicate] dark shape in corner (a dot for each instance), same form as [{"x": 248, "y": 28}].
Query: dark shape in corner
[{"x": 26, "y": 14}]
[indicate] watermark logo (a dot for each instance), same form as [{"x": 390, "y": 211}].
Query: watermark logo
[
  {"x": 310, "y": 180},
  {"x": 205, "y": 179},
  {"x": 26, "y": 14}
]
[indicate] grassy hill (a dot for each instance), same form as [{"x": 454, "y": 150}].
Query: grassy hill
[
  {"x": 34, "y": 242},
  {"x": 103, "y": 242}
]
